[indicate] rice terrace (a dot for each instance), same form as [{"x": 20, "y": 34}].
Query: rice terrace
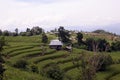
[
  {"x": 49, "y": 56},
  {"x": 59, "y": 39}
]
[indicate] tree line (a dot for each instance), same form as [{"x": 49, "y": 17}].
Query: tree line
[
  {"x": 91, "y": 44},
  {"x": 29, "y": 32}
]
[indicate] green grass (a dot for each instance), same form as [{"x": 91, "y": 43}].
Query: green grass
[
  {"x": 51, "y": 56},
  {"x": 17, "y": 74},
  {"x": 73, "y": 74},
  {"x": 29, "y": 49},
  {"x": 9, "y": 51},
  {"x": 24, "y": 51},
  {"x": 115, "y": 55},
  {"x": 111, "y": 72},
  {"x": 34, "y": 39},
  {"x": 116, "y": 77}
]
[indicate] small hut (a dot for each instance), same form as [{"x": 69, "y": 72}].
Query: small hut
[{"x": 56, "y": 44}]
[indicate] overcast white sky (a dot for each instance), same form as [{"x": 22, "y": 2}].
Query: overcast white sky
[{"x": 90, "y": 14}]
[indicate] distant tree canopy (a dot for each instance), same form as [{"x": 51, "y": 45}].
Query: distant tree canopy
[
  {"x": 63, "y": 35},
  {"x": 29, "y": 32},
  {"x": 103, "y": 32},
  {"x": 99, "y": 31},
  {"x": 34, "y": 31},
  {"x": 97, "y": 45},
  {"x": 6, "y": 33}
]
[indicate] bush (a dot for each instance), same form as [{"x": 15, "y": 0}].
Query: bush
[
  {"x": 106, "y": 60},
  {"x": 54, "y": 72},
  {"x": 79, "y": 38},
  {"x": 82, "y": 46},
  {"x": 116, "y": 46},
  {"x": 21, "y": 64},
  {"x": 44, "y": 38},
  {"x": 97, "y": 44},
  {"x": 101, "y": 61},
  {"x": 33, "y": 68},
  {"x": 28, "y": 34},
  {"x": 2, "y": 43},
  {"x": 1, "y": 71},
  {"x": 91, "y": 64},
  {"x": 22, "y": 33}
]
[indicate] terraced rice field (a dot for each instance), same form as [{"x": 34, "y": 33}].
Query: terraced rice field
[{"x": 32, "y": 52}]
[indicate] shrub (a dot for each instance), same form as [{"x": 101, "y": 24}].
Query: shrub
[
  {"x": 33, "y": 68},
  {"x": 116, "y": 46},
  {"x": 21, "y": 64},
  {"x": 101, "y": 61},
  {"x": 22, "y": 33},
  {"x": 1, "y": 71},
  {"x": 2, "y": 43},
  {"x": 91, "y": 64},
  {"x": 97, "y": 44},
  {"x": 28, "y": 34},
  {"x": 54, "y": 72},
  {"x": 79, "y": 38},
  {"x": 44, "y": 38}
]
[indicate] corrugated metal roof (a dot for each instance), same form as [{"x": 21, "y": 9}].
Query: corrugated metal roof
[{"x": 55, "y": 42}]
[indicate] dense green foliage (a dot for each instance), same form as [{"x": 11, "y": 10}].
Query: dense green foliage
[
  {"x": 99, "y": 31},
  {"x": 34, "y": 68},
  {"x": 44, "y": 38},
  {"x": 2, "y": 43},
  {"x": 21, "y": 64},
  {"x": 116, "y": 46},
  {"x": 55, "y": 73},
  {"x": 29, "y": 32},
  {"x": 101, "y": 61},
  {"x": 63, "y": 35},
  {"x": 90, "y": 65},
  {"x": 97, "y": 45},
  {"x": 79, "y": 38}
]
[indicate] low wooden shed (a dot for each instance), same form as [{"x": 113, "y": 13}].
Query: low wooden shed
[{"x": 56, "y": 44}]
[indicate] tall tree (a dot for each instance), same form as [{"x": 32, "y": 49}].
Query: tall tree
[
  {"x": 6, "y": 33},
  {"x": 16, "y": 31},
  {"x": 28, "y": 30},
  {"x": 79, "y": 38},
  {"x": 97, "y": 44},
  {"x": 36, "y": 30},
  {"x": 44, "y": 38},
  {"x": 63, "y": 35},
  {"x": 0, "y": 32}
]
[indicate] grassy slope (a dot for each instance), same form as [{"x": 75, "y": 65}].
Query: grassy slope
[
  {"x": 28, "y": 48},
  {"x": 17, "y": 74}
]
